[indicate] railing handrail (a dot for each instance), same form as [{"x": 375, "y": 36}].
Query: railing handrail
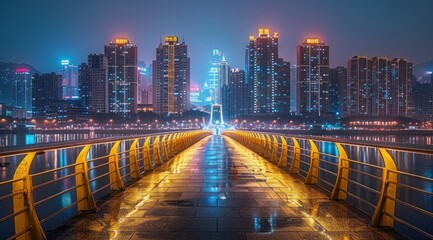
[
  {"x": 387, "y": 146},
  {"x": 41, "y": 147}
]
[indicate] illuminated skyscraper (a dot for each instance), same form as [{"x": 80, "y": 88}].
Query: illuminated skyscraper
[
  {"x": 145, "y": 80},
  {"x": 214, "y": 75},
  {"x": 261, "y": 58},
  {"x": 358, "y": 101},
  {"x": 235, "y": 95},
  {"x": 312, "y": 77},
  {"x": 23, "y": 90},
  {"x": 69, "y": 74},
  {"x": 337, "y": 91},
  {"x": 122, "y": 76},
  {"x": 401, "y": 87},
  {"x": 381, "y": 89},
  {"x": 93, "y": 79},
  {"x": 171, "y": 80},
  {"x": 282, "y": 92},
  {"x": 224, "y": 71}
]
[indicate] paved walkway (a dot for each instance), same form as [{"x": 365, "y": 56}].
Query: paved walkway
[{"x": 218, "y": 189}]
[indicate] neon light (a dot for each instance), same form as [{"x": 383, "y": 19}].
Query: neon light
[
  {"x": 21, "y": 70},
  {"x": 169, "y": 39},
  {"x": 312, "y": 40},
  {"x": 122, "y": 41},
  {"x": 65, "y": 62}
]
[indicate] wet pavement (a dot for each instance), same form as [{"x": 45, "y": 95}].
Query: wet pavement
[{"x": 218, "y": 189}]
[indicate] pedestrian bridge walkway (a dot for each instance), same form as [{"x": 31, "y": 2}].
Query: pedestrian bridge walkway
[
  {"x": 218, "y": 189},
  {"x": 195, "y": 185}
]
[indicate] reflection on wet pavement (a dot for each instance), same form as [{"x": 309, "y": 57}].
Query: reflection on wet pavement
[{"x": 218, "y": 189}]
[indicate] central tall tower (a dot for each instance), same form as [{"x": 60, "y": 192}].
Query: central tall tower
[
  {"x": 171, "y": 79},
  {"x": 122, "y": 77},
  {"x": 261, "y": 58}
]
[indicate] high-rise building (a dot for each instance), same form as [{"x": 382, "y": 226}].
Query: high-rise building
[
  {"x": 122, "y": 76},
  {"x": 235, "y": 95},
  {"x": 261, "y": 57},
  {"x": 381, "y": 87},
  {"x": 401, "y": 87},
  {"x": 214, "y": 76},
  {"x": 224, "y": 71},
  {"x": 293, "y": 88},
  {"x": 337, "y": 90},
  {"x": 16, "y": 86},
  {"x": 46, "y": 90},
  {"x": 69, "y": 74},
  {"x": 312, "y": 77},
  {"x": 171, "y": 78},
  {"x": 93, "y": 79},
  {"x": 282, "y": 92},
  {"x": 23, "y": 90},
  {"x": 358, "y": 101},
  {"x": 145, "y": 80}
]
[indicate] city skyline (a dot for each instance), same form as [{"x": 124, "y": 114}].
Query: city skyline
[{"x": 390, "y": 36}]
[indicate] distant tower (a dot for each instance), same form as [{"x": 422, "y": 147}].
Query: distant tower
[
  {"x": 93, "y": 79},
  {"x": 214, "y": 76},
  {"x": 23, "y": 90},
  {"x": 312, "y": 77},
  {"x": 46, "y": 90},
  {"x": 401, "y": 90},
  {"x": 69, "y": 74},
  {"x": 223, "y": 79},
  {"x": 122, "y": 76},
  {"x": 171, "y": 79},
  {"x": 359, "y": 87},
  {"x": 381, "y": 86}
]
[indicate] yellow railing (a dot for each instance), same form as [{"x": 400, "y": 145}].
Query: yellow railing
[
  {"x": 125, "y": 158},
  {"x": 391, "y": 196}
]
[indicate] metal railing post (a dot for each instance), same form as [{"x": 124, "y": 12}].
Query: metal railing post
[
  {"x": 116, "y": 180},
  {"x": 313, "y": 171},
  {"x": 83, "y": 179},
  {"x": 341, "y": 182},
  {"x": 388, "y": 193},
  {"x": 296, "y": 158},
  {"x": 284, "y": 149},
  {"x": 133, "y": 161},
  {"x": 274, "y": 149},
  {"x": 156, "y": 152},
  {"x": 147, "y": 160},
  {"x": 27, "y": 222}
]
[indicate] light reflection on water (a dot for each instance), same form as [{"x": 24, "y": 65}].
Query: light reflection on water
[
  {"x": 7, "y": 140},
  {"x": 420, "y": 140}
]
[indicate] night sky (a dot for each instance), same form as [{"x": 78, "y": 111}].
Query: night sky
[{"x": 41, "y": 33}]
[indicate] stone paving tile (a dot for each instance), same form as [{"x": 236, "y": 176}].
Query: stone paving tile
[{"x": 217, "y": 189}]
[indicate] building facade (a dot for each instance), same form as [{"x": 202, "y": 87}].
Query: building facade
[
  {"x": 122, "y": 76},
  {"x": 69, "y": 74},
  {"x": 235, "y": 95},
  {"x": 282, "y": 93},
  {"x": 337, "y": 90},
  {"x": 312, "y": 77},
  {"x": 359, "y": 87},
  {"x": 381, "y": 87},
  {"x": 93, "y": 79},
  {"x": 213, "y": 82},
  {"x": 261, "y": 57},
  {"x": 171, "y": 77},
  {"x": 224, "y": 72},
  {"x": 401, "y": 87},
  {"x": 47, "y": 90}
]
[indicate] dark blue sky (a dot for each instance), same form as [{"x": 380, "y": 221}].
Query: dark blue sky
[{"x": 43, "y": 32}]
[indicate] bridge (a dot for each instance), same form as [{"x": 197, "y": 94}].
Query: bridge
[{"x": 196, "y": 185}]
